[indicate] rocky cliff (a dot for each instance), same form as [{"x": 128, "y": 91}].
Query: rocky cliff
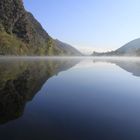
[{"x": 22, "y": 34}]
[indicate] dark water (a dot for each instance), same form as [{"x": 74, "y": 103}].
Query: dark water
[{"x": 70, "y": 99}]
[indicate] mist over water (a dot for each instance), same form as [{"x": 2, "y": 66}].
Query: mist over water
[{"x": 78, "y": 98}]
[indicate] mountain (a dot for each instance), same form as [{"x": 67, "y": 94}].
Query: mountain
[
  {"x": 132, "y": 48},
  {"x": 66, "y": 47},
  {"x": 22, "y": 34}
]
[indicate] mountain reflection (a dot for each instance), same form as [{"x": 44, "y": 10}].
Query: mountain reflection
[
  {"x": 131, "y": 65},
  {"x": 21, "y": 79}
]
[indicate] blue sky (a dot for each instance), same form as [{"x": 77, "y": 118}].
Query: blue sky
[{"x": 89, "y": 24}]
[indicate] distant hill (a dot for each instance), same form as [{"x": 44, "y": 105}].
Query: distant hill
[
  {"x": 130, "y": 49},
  {"x": 22, "y": 34},
  {"x": 67, "y": 48}
]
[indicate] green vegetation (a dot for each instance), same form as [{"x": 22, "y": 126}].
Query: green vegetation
[
  {"x": 22, "y": 34},
  {"x": 9, "y": 44}
]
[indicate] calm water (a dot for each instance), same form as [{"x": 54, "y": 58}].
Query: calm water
[{"x": 70, "y": 99}]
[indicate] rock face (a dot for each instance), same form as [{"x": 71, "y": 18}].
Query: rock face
[
  {"x": 10, "y": 13},
  {"x": 22, "y": 34}
]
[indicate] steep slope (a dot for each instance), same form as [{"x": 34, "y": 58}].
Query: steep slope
[
  {"x": 131, "y": 48},
  {"x": 66, "y": 48},
  {"x": 22, "y": 34}
]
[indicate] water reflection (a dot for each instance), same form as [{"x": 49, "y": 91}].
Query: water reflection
[
  {"x": 89, "y": 101},
  {"x": 21, "y": 79},
  {"x": 131, "y": 65}
]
